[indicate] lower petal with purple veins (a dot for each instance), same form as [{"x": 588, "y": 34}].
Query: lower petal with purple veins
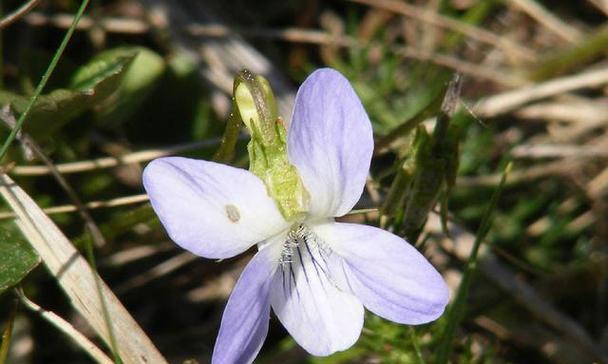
[{"x": 319, "y": 315}]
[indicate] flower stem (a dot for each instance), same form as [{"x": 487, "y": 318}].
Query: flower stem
[{"x": 225, "y": 153}]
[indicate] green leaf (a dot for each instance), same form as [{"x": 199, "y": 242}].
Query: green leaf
[
  {"x": 17, "y": 257},
  {"x": 91, "y": 84},
  {"x": 94, "y": 74},
  {"x": 140, "y": 78}
]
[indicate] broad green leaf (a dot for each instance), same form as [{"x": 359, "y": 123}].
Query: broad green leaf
[
  {"x": 139, "y": 80},
  {"x": 17, "y": 258},
  {"x": 92, "y": 83},
  {"x": 99, "y": 69}
]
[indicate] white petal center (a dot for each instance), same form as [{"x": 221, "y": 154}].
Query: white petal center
[
  {"x": 321, "y": 317},
  {"x": 303, "y": 250}
]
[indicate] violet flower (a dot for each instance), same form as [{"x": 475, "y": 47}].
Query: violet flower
[{"x": 315, "y": 273}]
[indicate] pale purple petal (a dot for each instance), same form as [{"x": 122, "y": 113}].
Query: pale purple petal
[
  {"x": 210, "y": 209},
  {"x": 390, "y": 277},
  {"x": 245, "y": 322},
  {"x": 319, "y": 316},
  {"x": 330, "y": 142}
]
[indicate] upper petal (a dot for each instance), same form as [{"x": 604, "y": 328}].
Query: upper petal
[
  {"x": 245, "y": 321},
  {"x": 210, "y": 209},
  {"x": 390, "y": 277},
  {"x": 330, "y": 141},
  {"x": 321, "y": 317}
]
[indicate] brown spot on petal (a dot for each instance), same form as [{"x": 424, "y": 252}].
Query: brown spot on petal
[{"x": 233, "y": 213}]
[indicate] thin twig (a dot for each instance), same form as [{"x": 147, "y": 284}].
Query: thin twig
[
  {"x": 137, "y": 26},
  {"x": 17, "y": 14},
  {"x": 109, "y": 162},
  {"x": 581, "y": 222},
  {"x": 219, "y": 286},
  {"x": 130, "y": 255},
  {"x": 548, "y": 20},
  {"x": 601, "y": 5},
  {"x": 296, "y": 35},
  {"x": 166, "y": 267},
  {"x": 588, "y": 112},
  {"x": 119, "y": 201},
  {"x": 108, "y": 24},
  {"x": 425, "y": 15},
  {"x": 598, "y": 186},
  {"x": 466, "y": 68},
  {"x": 559, "y": 151},
  {"x": 519, "y": 176},
  {"x": 510, "y": 100},
  {"x": 91, "y": 349},
  {"x": 594, "y": 190}
]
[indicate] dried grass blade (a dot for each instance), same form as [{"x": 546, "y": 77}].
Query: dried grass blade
[{"x": 78, "y": 280}]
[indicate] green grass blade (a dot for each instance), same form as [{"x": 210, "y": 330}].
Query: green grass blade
[
  {"x": 592, "y": 47},
  {"x": 44, "y": 79},
  {"x": 38, "y": 91},
  {"x": 414, "y": 339},
  {"x": 457, "y": 308}
]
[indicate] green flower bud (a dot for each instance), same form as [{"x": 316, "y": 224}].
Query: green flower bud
[{"x": 256, "y": 105}]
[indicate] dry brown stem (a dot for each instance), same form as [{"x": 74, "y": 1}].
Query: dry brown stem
[
  {"x": 416, "y": 13},
  {"x": 554, "y": 24},
  {"x": 510, "y": 100},
  {"x": 119, "y": 201},
  {"x": 87, "y": 292},
  {"x": 62, "y": 325},
  {"x": 18, "y": 14}
]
